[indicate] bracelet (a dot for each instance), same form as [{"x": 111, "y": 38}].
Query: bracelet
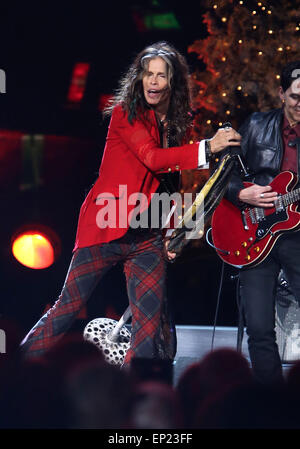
[{"x": 208, "y": 152}]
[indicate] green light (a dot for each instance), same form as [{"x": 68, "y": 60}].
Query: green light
[{"x": 161, "y": 21}]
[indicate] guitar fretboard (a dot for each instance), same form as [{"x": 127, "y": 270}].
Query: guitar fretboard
[
  {"x": 291, "y": 197},
  {"x": 256, "y": 214}
]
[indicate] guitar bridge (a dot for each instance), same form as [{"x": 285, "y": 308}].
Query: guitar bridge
[
  {"x": 252, "y": 216},
  {"x": 259, "y": 214}
]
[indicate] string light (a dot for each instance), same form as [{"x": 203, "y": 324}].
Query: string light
[{"x": 256, "y": 14}]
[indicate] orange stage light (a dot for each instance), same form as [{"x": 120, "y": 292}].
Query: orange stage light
[{"x": 35, "y": 249}]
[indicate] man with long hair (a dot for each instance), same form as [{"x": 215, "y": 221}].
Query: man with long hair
[{"x": 147, "y": 139}]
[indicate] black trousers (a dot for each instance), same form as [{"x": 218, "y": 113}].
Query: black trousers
[{"x": 258, "y": 290}]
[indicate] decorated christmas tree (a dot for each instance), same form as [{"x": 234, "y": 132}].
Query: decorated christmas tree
[
  {"x": 247, "y": 45},
  {"x": 240, "y": 64}
]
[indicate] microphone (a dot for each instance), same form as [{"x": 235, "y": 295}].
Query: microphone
[
  {"x": 226, "y": 125},
  {"x": 236, "y": 152}
]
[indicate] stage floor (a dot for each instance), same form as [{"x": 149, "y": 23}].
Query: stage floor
[{"x": 194, "y": 342}]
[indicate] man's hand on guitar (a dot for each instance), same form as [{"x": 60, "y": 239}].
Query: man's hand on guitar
[
  {"x": 259, "y": 196},
  {"x": 223, "y": 138}
]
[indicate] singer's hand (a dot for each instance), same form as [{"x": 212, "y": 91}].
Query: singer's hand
[
  {"x": 223, "y": 138},
  {"x": 169, "y": 254}
]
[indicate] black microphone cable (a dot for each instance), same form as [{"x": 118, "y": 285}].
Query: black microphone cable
[
  {"x": 219, "y": 291},
  {"x": 217, "y": 306}
]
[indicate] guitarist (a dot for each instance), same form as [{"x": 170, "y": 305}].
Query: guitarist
[{"x": 269, "y": 146}]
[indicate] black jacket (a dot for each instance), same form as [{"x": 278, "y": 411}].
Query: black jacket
[{"x": 262, "y": 150}]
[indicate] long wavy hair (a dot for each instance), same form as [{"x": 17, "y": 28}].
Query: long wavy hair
[{"x": 131, "y": 96}]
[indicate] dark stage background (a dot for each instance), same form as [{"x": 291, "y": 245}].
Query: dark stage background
[{"x": 40, "y": 44}]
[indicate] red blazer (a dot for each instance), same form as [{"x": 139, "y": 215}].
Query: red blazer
[{"x": 132, "y": 158}]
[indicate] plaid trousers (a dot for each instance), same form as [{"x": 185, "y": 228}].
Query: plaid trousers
[{"x": 152, "y": 333}]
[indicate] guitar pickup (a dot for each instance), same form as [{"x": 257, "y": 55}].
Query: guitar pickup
[{"x": 279, "y": 206}]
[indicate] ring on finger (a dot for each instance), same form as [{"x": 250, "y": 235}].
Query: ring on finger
[{"x": 262, "y": 195}]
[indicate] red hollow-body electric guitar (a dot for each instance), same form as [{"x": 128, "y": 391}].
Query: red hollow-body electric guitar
[{"x": 245, "y": 237}]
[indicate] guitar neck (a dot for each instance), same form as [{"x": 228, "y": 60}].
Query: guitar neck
[
  {"x": 257, "y": 214},
  {"x": 290, "y": 197}
]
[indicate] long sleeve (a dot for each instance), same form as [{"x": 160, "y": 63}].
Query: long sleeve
[{"x": 142, "y": 143}]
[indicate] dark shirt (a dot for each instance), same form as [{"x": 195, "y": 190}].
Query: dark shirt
[{"x": 290, "y": 154}]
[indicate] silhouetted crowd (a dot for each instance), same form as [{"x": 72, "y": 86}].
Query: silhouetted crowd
[{"x": 73, "y": 387}]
